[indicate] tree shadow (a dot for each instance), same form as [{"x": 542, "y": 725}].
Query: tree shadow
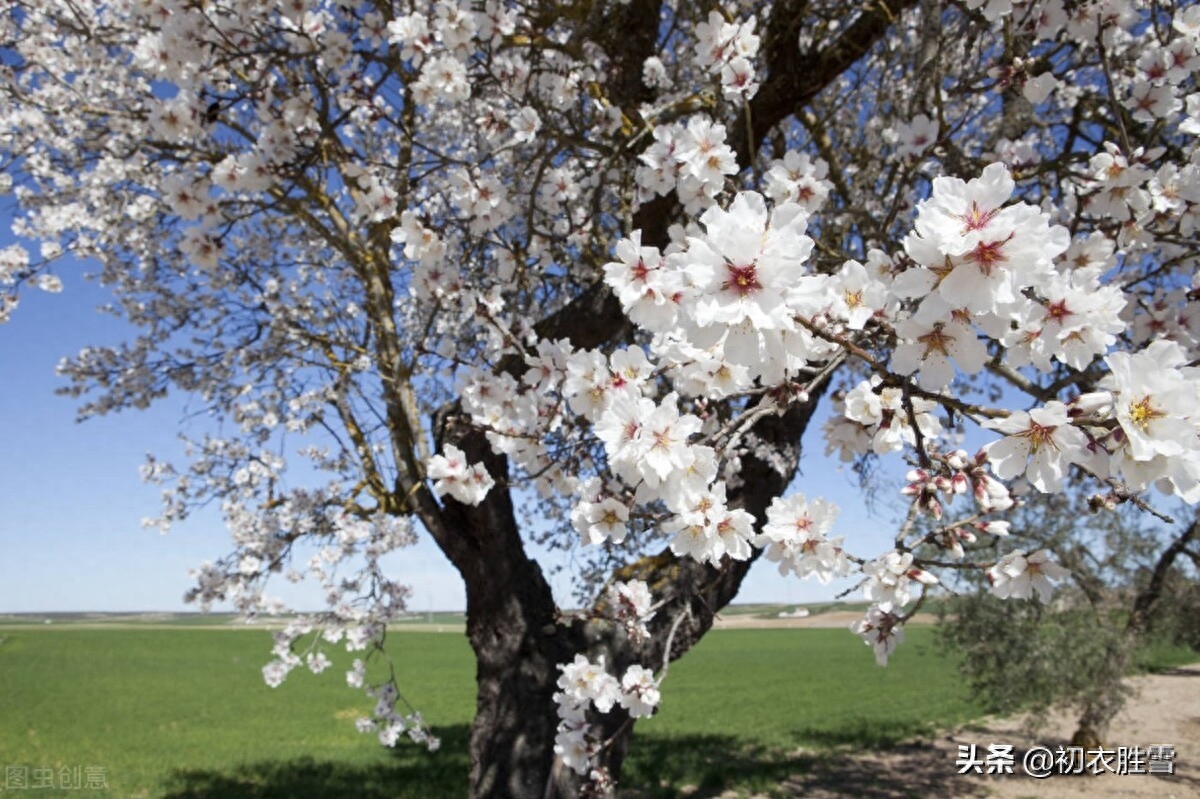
[
  {"x": 658, "y": 767},
  {"x": 413, "y": 773},
  {"x": 906, "y": 771},
  {"x": 661, "y": 766},
  {"x": 871, "y": 766},
  {"x": 860, "y": 735},
  {"x": 1174, "y": 671}
]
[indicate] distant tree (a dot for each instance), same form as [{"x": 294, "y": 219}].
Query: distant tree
[
  {"x": 1079, "y": 650},
  {"x": 581, "y": 273},
  {"x": 1181, "y": 592}
]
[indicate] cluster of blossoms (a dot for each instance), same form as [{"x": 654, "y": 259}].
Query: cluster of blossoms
[
  {"x": 954, "y": 475},
  {"x": 386, "y": 720},
  {"x": 1141, "y": 426},
  {"x": 976, "y": 262},
  {"x": 882, "y": 630},
  {"x": 800, "y": 179},
  {"x": 889, "y": 580},
  {"x": 734, "y": 291},
  {"x": 873, "y": 417},
  {"x": 692, "y": 160},
  {"x": 796, "y": 537},
  {"x": 389, "y": 724},
  {"x": 729, "y": 49},
  {"x": 585, "y": 685},
  {"x": 453, "y": 475},
  {"x": 630, "y": 605}
]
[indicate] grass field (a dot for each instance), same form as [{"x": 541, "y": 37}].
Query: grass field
[{"x": 184, "y": 712}]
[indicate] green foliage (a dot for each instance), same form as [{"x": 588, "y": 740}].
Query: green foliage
[
  {"x": 1159, "y": 655},
  {"x": 1021, "y": 655},
  {"x": 1178, "y": 619},
  {"x": 184, "y": 714}
]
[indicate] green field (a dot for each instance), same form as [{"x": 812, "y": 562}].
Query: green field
[{"x": 184, "y": 712}]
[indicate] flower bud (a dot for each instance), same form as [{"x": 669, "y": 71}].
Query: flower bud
[
  {"x": 1093, "y": 403},
  {"x": 957, "y": 460},
  {"x": 921, "y": 576},
  {"x": 996, "y": 527}
]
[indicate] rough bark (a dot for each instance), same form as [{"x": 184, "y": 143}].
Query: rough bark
[{"x": 511, "y": 625}]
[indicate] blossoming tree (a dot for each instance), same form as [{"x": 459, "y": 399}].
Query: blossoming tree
[{"x": 582, "y": 273}]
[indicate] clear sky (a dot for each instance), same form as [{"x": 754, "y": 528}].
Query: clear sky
[{"x": 70, "y": 532}]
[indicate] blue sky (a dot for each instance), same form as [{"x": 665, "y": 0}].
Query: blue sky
[{"x": 72, "y": 498}]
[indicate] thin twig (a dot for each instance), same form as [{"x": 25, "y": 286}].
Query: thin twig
[{"x": 686, "y": 614}]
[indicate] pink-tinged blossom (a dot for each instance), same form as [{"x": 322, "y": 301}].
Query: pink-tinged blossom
[
  {"x": 795, "y": 537},
  {"x": 1040, "y": 444},
  {"x": 660, "y": 165},
  {"x": 317, "y": 662},
  {"x": 718, "y": 41},
  {"x": 857, "y": 295},
  {"x": 693, "y": 537},
  {"x": 738, "y": 80},
  {"x": 443, "y": 79},
  {"x": 974, "y": 251},
  {"x": 1020, "y": 576},
  {"x": 453, "y": 475},
  {"x": 601, "y": 521},
  {"x": 915, "y": 137},
  {"x": 1149, "y": 102},
  {"x": 928, "y": 345},
  {"x": 410, "y": 32},
  {"x": 583, "y": 681},
  {"x": 275, "y": 672},
  {"x": 630, "y": 604},
  {"x": 1119, "y": 184},
  {"x": 663, "y": 441},
  {"x": 639, "y": 692},
  {"x": 707, "y": 529},
  {"x": 704, "y": 154},
  {"x": 800, "y": 179},
  {"x": 574, "y": 748},
  {"x": 747, "y": 280},
  {"x": 1075, "y": 320},
  {"x": 587, "y": 383},
  {"x": 747, "y": 263},
  {"x": 1154, "y": 401},
  {"x": 889, "y": 580},
  {"x": 881, "y": 630},
  {"x": 647, "y": 290},
  {"x": 619, "y": 427},
  {"x": 882, "y": 414}
]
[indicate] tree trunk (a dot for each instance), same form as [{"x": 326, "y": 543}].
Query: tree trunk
[
  {"x": 517, "y": 650},
  {"x": 519, "y": 639}
]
